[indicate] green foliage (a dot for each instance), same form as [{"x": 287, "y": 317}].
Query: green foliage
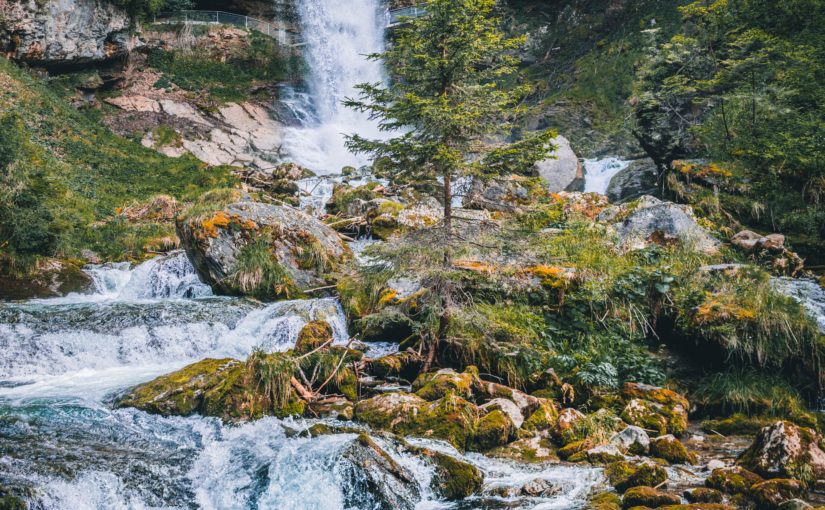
[
  {"x": 747, "y": 391},
  {"x": 258, "y": 272}
]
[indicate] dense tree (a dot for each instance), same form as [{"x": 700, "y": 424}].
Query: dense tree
[{"x": 448, "y": 99}]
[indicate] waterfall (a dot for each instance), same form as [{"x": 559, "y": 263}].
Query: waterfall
[
  {"x": 599, "y": 172},
  {"x": 338, "y": 37}
]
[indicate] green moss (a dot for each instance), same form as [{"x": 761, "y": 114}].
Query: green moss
[
  {"x": 623, "y": 475},
  {"x": 605, "y": 501},
  {"x": 672, "y": 450},
  {"x": 542, "y": 418},
  {"x": 433, "y": 386},
  {"x": 772, "y": 493},
  {"x": 648, "y": 497},
  {"x": 312, "y": 336},
  {"x": 737, "y": 425},
  {"x": 704, "y": 495},
  {"x": 493, "y": 429},
  {"x": 455, "y": 479},
  {"x": 733, "y": 480},
  {"x": 571, "y": 449}
]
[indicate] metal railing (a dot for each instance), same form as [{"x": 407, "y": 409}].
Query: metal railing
[
  {"x": 192, "y": 17},
  {"x": 397, "y": 16}
]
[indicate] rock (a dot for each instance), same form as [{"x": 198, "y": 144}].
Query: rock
[
  {"x": 508, "y": 407},
  {"x": 749, "y": 241},
  {"x": 453, "y": 479},
  {"x": 715, "y": 464},
  {"x": 671, "y": 408},
  {"x": 663, "y": 223},
  {"x": 527, "y": 404},
  {"x": 638, "y": 179},
  {"x": 605, "y": 501},
  {"x": 542, "y": 419},
  {"x": 794, "y": 504},
  {"x": 135, "y": 103},
  {"x": 261, "y": 250},
  {"x": 338, "y": 408},
  {"x": 504, "y": 194},
  {"x": 226, "y": 388},
  {"x": 623, "y": 474},
  {"x": 312, "y": 336},
  {"x": 390, "y": 411},
  {"x": 528, "y": 449},
  {"x": 374, "y": 479},
  {"x": 538, "y": 488},
  {"x": 632, "y": 440},
  {"x": 564, "y": 171},
  {"x": 772, "y": 493},
  {"x": 785, "y": 450},
  {"x": 698, "y": 506},
  {"x": 493, "y": 429},
  {"x": 671, "y": 449},
  {"x": 565, "y": 430},
  {"x": 65, "y": 32},
  {"x": 648, "y": 497},
  {"x": 48, "y": 278},
  {"x": 435, "y": 385},
  {"x": 604, "y": 454},
  {"x": 405, "y": 365},
  {"x": 703, "y": 495},
  {"x": 732, "y": 480}
]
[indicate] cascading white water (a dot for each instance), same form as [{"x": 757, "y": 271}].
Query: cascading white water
[
  {"x": 599, "y": 172},
  {"x": 338, "y": 35}
]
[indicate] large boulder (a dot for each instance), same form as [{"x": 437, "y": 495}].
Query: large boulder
[
  {"x": 623, "y": 475},
  {"x": 375, "y": 479},
  {"x": 562, "y": 172},
  {"x": 639, "y": 178},
  {"x": 786, "y": 450},
  {"x": 655, "y": 221},
  {"x": 261, "y": 250},
  {"x": 655, "y": 408},
  {"x": 503, "y": 194},
  {"x": 64, "y": 32}
]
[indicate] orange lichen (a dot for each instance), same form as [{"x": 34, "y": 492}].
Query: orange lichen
[
  {"x": 475, "y": 266},
  {"x": 701, "y": 170},
  {"x": 209, "y": 227},
  {"x": 721, "y": 308}
]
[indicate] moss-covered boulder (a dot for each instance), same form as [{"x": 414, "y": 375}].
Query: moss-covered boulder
[
  {"x": 655, "y": 408},
  {"x": 736, "y": 425},
  {"x": 338, "y": 408},
  {"x": 528, "y": 449},
  {"x": 703, "y": 495},
  {"x": 372, "y": 474},
  {"x": 48, "y": 278},
  {"x": 785, "y": 450},
  {"x": 604, "y": 454},
  {"x": 732, "y": 480},
  {"x": 390, "y": 411},
  {"x": 698, "y": 506},
  {"x": 226, "y": 388},
  {"x": 671, "y": 449},
  {"x": 312, "y": 336},
  {"x": 648, "y": 497},
  {"x": 261, "y": 250},
  {"x": 436, "y": 385},
  {"x": 542, "y": 419},
  {"x": 566, "y": 429},
  {"x": 624, "y": 474},
  {"x": 605, "y": 501},
  {"x": 632, "y": 439},
  {"x": 494, "y": 429},
  {"x": 770, "y": 494},
  {"x": 405, "y": 365},
  {"x": 453, "y": 479}
]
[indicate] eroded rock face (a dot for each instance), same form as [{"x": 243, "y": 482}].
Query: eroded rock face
[
  {"x": 64, "y": 32},
  {"x": 262, "y": 250},
  {"x": 375, "y": 479},
  {"x": 786, "y": 450},
  {"x": 564, "y": 172}
]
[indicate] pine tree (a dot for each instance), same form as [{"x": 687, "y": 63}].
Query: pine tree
[{"x": 451, "y": 93}]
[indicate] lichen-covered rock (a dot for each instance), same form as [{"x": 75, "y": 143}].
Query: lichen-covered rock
[
  {"x": 772, "y": 493},
  {"x": 261, "y": 250},
  {"x": 703, "y": 495},
  {"x": 633, "y": 440},
  {"x": 503, "y": 194},
  {"x": 732, "y": 480},
  {"x": 494, "y": 429},
  {"x": 66, "y": 32},
  {"x": 566, "y": 431},
  {"x": 671, "y": 449},
  {"x": 542, "y": 419},
  {"x": 453, "y": 479},
  {"x": 651, "y": 407},
  {"x": 637, "y": 179},
  {"x": 648, "y": 497},
  {"x": 48, "y": 278},
  {"x": 225, "y": 388},
  {"x": 604, "y": 454},
  {"x": 562, "y": 172},
  {"x": 312, "y": 336},
  {"x": 401, "y": 364},
  {"x": 786, "y": 450},
  {"x": 375, "y": 479},
  {"x": 435, "y": 385},
  {"x": 624, "y": 474},
  {"x": 664, "y": 223},
  {"x": 528, "y": 449}
]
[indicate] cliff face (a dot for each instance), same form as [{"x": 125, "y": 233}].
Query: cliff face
[{"x": 64, "y": 32}]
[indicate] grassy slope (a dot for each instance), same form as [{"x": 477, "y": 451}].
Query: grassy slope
[{"x": 91, "y": 172}]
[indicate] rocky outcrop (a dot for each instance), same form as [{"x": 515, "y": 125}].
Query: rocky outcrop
[
  {"x": 564, "y": 171},
  {"x": 503, "y": 194},
  {"x": 262, "y": 250},
  {"x": 786, "y": 450},
  {"x": 64, "y": 32},
  {"x": 48, "y": 278},
  {"x": 375, "y": 479},
  {"x": 638, "y": 179}
]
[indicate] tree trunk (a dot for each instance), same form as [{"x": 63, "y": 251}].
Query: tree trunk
[{"x": 448, "y": 218}]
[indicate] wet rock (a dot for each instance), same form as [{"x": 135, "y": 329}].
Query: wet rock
[
  {"x": 538, "y": 488},
  {"x": 49, "y": 278},
  {"x": 624, "y": 474},
  {"x": 732, "y": 480},
  {"x": 435, "y": 385},
  {"x": 261, "y": 250},
  {"x": 633, "y": 440},
  {"x": 374, "y": 479},
  {"x": 564, "y": 171},
  {"x": 66, "y": 32},
  {"x": 402, "y": 364},
  {"x": 715, "y": 464},
  {"x": 605, "y": 501},
  {"x": 703, "y": 495},
  {"x": 671, "y": 449},
  {"x": 338, "y": 408},
  {"x": 772, "y": 493},
  {"x": 698, "y": 506},
  {"x": 794, "y": 504},
  {"x": 528, "y": 449},
  {"x": 654, "y": 221},
  {"x": 312, "y": 336},
  {"x": 785, "y": 450},
  {"x": 604, "y": 454},
  {"x": 638, "y": 179},
  {"x": 389, "y": 411},
  {"x": 648, "y": 497},
  {"x": 453, "y": 479}
]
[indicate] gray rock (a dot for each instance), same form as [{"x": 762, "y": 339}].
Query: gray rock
[
  {"x": 214, "y": 249},
  {"x": 638, "y": 179},
  {"x": 656, "y": 221},
  {"x": 632, "y": 440},
  {"x": 372, "y": 479},
  {"x": 564, "y": 172},
  {"x": 65, "y": 32},
  {"x": 794, "y": 504},
  {"x": 498, "y": 194}
]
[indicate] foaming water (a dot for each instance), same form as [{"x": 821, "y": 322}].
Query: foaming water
[
  {"x": 599, "y": 172},
  {"x": 809, "y": 293},
  {"x": 339, "y": 35}
]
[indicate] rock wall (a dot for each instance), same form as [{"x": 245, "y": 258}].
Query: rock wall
[{"x": 64, "y": 32}]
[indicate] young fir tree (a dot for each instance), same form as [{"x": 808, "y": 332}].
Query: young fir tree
[{"x": 448, "y": 98}]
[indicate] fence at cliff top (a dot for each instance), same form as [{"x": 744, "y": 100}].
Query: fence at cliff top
[{"x": 282, "y": 35}]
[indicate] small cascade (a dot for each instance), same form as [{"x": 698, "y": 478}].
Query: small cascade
[
  {"x": 809, "y": 293},
  {"x": 599, "y": 172}
]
